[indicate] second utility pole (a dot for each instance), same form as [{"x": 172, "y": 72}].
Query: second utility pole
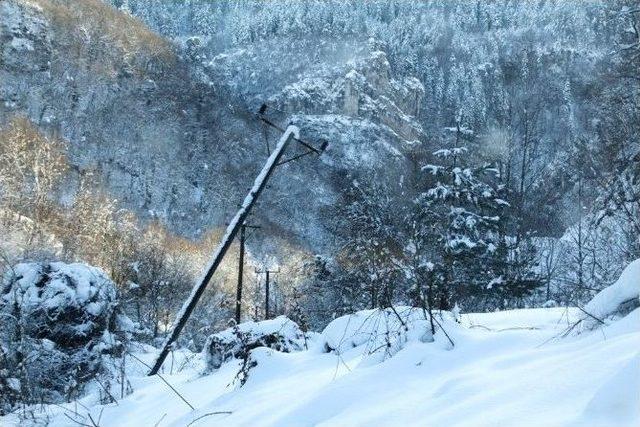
[
  {"x": 243, "y": 238},
  {"x": 266, "y": 290}
]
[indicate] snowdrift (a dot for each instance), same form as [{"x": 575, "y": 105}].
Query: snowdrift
[
  {"x": 616, "y": 300},
  {"x": 381, "y": 333},
  {"x": 617, "y": 401},
  {"x": 507, "y": 368}
]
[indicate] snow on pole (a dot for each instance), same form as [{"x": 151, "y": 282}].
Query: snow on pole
[{"x": 292, "y": 132}]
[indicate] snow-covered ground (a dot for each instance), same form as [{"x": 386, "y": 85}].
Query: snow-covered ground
[{"x": 508, "y": 368}]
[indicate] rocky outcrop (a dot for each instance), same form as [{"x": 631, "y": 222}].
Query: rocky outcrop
[
  {"x": 24, "y": 38},
  {"x": 362, "y": 90}
]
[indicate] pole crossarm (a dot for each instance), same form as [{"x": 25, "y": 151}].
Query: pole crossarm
[
  {"x": 292, "y": 132},
  {"x": 310, "y": 147}
]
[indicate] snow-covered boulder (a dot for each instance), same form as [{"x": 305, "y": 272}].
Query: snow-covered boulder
[
  {"x": 617, "y": 299},
  {"x": 63, "y": 319},
  {"x": 281, "y": 334},
  {"x": 379, "y": 334}
]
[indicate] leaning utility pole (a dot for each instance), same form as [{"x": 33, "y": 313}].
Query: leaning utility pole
[
  {"x": 243, "y": 230},
  {"x": 290, "y": 133},
  {"x": 267, "y": 273},
  {"x": 232, "y": 230}
]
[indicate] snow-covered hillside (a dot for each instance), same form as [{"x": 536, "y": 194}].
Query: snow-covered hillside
[{"x": 507, "y": 368}]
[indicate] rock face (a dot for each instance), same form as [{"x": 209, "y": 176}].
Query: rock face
[
  {"x": 26, "y": 45},
  {"x": 281, "y": 334},
  {"x": 355, "y": 104},
  {"x": 168, "y": 131},
  {"x": 65, "y": 314}
]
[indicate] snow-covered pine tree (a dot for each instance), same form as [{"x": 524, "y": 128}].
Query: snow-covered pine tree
[{"x": 460, "y": 217}]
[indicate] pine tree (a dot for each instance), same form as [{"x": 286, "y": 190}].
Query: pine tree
[{"x": 460, "y": 217}]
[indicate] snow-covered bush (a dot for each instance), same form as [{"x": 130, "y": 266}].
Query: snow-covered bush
[
  {"x": 588, "y": 257},
  {"x": 280, "y": 334},
  {"x": 379, "y": 334},
  {"x": 616, "y": 300},
  {"x": 60, "y": 323}
]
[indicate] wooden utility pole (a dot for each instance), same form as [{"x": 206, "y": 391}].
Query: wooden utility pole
[
  {"x": 234, "y": 226},
  {"x": 266, "y": 296},
  {"x": 243, "y": 234},
  {"x": 275, "y": 159},
  {"x": 267, "y": 273}
]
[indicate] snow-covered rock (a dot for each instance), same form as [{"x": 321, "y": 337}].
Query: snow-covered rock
[
  {"x": 65, "y": 320},
  {"x": 617, "y": 299},
  {"x": 281, "y": 334}
]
